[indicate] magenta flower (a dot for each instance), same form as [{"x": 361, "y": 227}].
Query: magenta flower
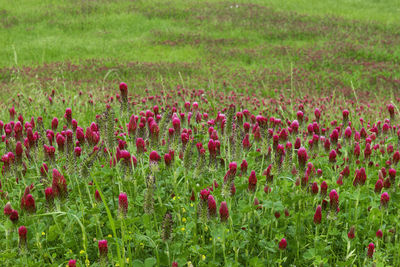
[
  {"x": 283, "y": 244},
  {"x": 252, "y": 181},
  {"x": 123, "y": 88},
  {"x": 123, "y": 203},
  {"x": 385, "y": 199},
  {"x": 22, "y": 232},
  {"x": 324, "y": 188},
  {"x": 318, "y": 215},
  {"x": 371, "y": 250},
  {"x": 314, "y": 188},
  {"x": 72, "y": 263},
  {"x": 103, "y": 248},
  {"x": 14, "y": 216},
  {"x": 7, "y": 209},
  {"x": 204, "y": 194},
  {"x": 212, "y": 206},
  {"x": 378, "y": 186},
  {"x": 379, "y": 233},
  {"x": 223, "y": 211},
  {"x": 334, "y": 200},
  {"x": 154, "y": 157},
  {"x": 48, "y": 192},
  {"x": 332, "y": 156},
  {"x": 302, "y": 157}
]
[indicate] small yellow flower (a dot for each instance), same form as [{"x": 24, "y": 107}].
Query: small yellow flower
[
  {"x": 117, "y": 264},
  {"x": 189, "y": 263},
  {"x": 82, "y": 252},
  {"x": 87, "y": 262},
  {"x": 141, "y": 244},
  {"x": 183, "y": 229},
  {"x": 127, "y": 260},
  {"x": 191, "y": 204},
  {"x": 179, "y": 197},
  {"x": 109, "y": 236},
  {"x": 203, "y": 257},
  {"x": 219, "y": 238},
  {"x": 173, "y": 198},
  {"x": 183, "y": 210},
  {"x": 184, "y": 220},
  {"x": 210, "y": 238},
  {"x": 206, "y": 228},
  {"x": 43, "y": 233}
]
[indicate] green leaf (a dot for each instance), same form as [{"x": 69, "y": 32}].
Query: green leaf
[
  {"x": 137, "y": 263},
  {"x": 150, "y": 262},
  {"x": 53, "y": 233}
]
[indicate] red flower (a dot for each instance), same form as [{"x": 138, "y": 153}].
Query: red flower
[
  {"x": 371, "y": 249},
  {"x": 252, "y": 181},
  {"x": 204, "y": 194},
  {"x": 212, "y": 206},
  {"x": 174, "y": 264},
  {"x": 302, "y": 157},
  {"x": 154, "y": 157},
  {"x": 334, "y": 199},
  {"x": 72, "y": 263},
  {"x": 59, "y": 184},
  {"x": 14, "y": 216},
  {"x": 379, "y": 233},
  {"x": 314, "y": 188},
  {"x": 318, "y": 215},
  {"x": 385, "y": 199},
  {"x": 97, "y": 196},
  {"x": 49, "y": 195},
  {"x": 324, "y": 188},
  {"x": 332, "y": 156},
  {"x": 103, "y": 248},
  {"x": 283, "y": 244},
  {"x": 7, "y": 209},
  {"x": 22, "y": 232},
  {"x": 350, "y": 234},
  {"x": 378, "y": 186},
  {"x": 223, "y": 211},
  {"x": 123, "y": 88},
  {"x": 123, "y": 203}
]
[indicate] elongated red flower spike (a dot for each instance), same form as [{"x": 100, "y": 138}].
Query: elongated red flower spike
[
  {"x": 371, "y": 250},
  {"x": 224, "y": 212},
  {"x": 123, "y": 203}
]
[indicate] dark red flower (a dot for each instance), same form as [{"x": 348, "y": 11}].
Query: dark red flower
[
  {"x": 379, "y": 233},
  {"x": 318, "y": 215},
  {"x": 212, "y": 206},
  {"x": 351, "y": 234},
  {"x": 7, "y": 209},
  {"x": 283, "y": 244},
  {"x": 252, "y": 181},
  {"x": 371, "y": 250},
  {"x": 223, "y": 211},
  {"x": 385, "y": 199},
  {"x": 123, "y": 203},
  {"x": 72, "y": 263}
]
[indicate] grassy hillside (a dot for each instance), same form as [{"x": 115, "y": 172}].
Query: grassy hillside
[{"x": 307, "y": 45}]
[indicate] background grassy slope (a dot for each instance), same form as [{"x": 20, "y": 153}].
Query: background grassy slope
[{"x": 318, "y": 45}]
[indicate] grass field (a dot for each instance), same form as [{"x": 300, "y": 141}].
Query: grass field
[{"x": 254, "y": 45}]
